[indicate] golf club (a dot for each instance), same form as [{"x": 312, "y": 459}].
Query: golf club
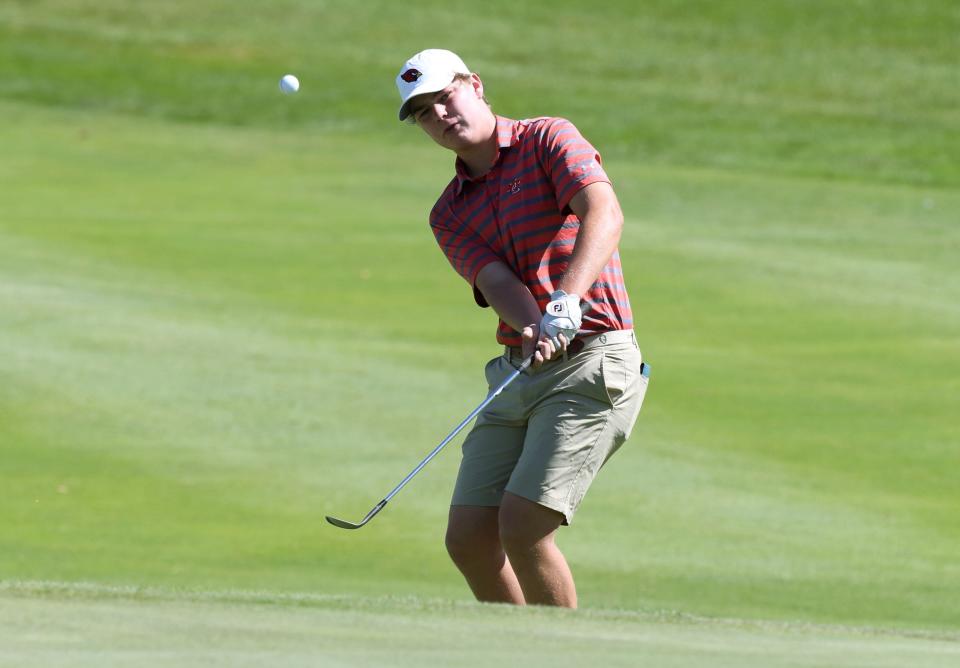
[{"x": 343, "y": 524}]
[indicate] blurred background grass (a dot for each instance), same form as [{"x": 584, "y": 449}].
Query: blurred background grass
[{"x": 862, "y": 89}]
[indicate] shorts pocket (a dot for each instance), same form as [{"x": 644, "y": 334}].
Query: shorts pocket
[
  {"x": 619, "y": 370},
  {"x": 585, "y": 376}
]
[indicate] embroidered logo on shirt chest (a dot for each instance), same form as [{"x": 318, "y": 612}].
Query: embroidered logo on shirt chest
[{"x": 515, "y": 187}]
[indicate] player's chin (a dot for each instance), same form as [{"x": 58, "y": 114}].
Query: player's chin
[{"x": 456, "y": 139}]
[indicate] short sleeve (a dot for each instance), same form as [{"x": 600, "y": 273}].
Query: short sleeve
[
  {"x": 569, "y": 160},
  {"x": 465, "y": 252}
]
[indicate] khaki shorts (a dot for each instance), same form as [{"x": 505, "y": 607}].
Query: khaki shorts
[{"x": 547, "y": 435}]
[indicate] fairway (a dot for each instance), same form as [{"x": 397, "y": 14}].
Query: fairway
[
  {"x": 223, "y": 316},
  {"x": 133, "y": 627}
]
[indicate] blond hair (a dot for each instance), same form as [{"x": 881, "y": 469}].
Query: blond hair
[{"x": 463, "y": 78}]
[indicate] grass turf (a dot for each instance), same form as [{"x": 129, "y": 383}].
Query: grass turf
[
  {"x": 161, "y": 627},
  {"x": 222, "y": 315}
]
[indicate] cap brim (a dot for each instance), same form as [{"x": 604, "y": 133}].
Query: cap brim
[{"x": 423, "y": 86}]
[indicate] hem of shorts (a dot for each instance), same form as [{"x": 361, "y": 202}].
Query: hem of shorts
[
  {"x": 558, "y": 506},
  {"x": 551, "y": 504},
  {"x": 475, "y": 505}
]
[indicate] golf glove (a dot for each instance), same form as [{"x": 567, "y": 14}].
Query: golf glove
[{"x": 562, "y": 316}]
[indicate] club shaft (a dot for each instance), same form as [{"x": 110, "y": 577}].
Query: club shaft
[{"x": 490, "y": 397}]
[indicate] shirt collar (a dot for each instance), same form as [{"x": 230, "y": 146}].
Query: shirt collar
[{"x": 509, "y": 132}]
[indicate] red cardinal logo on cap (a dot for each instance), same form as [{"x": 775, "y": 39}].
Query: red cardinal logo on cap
[{"x": 411, "y": 75}]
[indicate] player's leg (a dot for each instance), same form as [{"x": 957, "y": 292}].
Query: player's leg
[
  {"x": 473, "y": 542},
  {"x": 527, "y": 532},
  {"x": 585, "y": 411},
  {"x": 490, "y": 452}
]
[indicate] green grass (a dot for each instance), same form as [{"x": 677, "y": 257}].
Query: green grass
[
  {"x": 231, "y": 628},
  {"x": 222, "y": 316}
]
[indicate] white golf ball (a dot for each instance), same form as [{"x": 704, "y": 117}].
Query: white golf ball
[{"x": 289, "y": 84}]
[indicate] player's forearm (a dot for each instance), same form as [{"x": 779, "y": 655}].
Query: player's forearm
[
  {"x": 508, "y": 296},
  {"x": 601, "y": 223}
]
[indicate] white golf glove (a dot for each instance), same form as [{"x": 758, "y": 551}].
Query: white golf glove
[{"x": 562, "y": 316}]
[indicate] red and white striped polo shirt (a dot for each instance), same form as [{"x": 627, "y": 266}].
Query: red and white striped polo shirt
[{"x": 518, "y": 213}]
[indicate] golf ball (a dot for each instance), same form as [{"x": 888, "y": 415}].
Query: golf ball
[{"x": 289, "y": 84}]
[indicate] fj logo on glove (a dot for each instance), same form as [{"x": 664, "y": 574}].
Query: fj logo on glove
[{"x": 557, "y": 308}]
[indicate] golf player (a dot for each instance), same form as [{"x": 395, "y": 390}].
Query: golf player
[{"x": 531, "y": 221}]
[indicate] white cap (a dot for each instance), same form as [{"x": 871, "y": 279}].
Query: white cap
[{"x": 427, "y": 72}]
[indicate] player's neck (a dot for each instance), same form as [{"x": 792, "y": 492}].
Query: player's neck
[{"x": 479, "y": 158}]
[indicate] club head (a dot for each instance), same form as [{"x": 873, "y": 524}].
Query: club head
[{"x": 342, "y": 523}]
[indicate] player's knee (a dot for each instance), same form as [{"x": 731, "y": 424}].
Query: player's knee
[
  {"x": 517, "y": 539},
  {"x": 457, "y": 544},
  {"x": 525, "y": 527},
  {"x": 466, "y": 546}
]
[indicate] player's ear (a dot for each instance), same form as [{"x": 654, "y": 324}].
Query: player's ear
[{"x": 477, "y": 86}]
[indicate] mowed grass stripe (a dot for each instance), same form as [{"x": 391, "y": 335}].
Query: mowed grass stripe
[
  {"x": 77, "y": 625},
  {"x": 861, "y": 90},
  {"x": 79, "y": 590}
]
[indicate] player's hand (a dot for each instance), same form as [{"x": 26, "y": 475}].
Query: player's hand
[
  {"x": 540, "y": 347},
  {"x": 561, "y": 319}
]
